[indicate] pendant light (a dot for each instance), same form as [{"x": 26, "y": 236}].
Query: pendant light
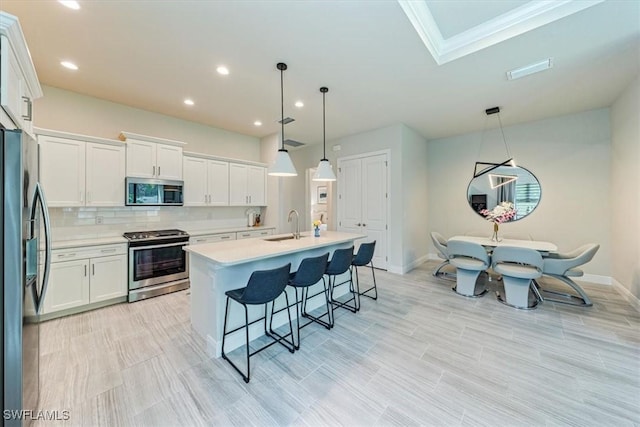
[
  {"x": 324, "y": 171},
  {"x": 496, "y": 180},
  {"x": 283, "y": 166}
]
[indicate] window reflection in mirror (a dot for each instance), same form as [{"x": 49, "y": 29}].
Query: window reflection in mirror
[{"x": 524, "y": 192}]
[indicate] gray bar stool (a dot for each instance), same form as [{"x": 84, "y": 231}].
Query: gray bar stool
[
  {"x": 361, "y": 259},
  {"x": 264, "y": 287},
  {"x": 310, "y": 272},
  {"x": 340, "y": 263}
]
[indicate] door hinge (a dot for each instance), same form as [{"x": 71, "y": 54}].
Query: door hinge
[{"x": 339, "y": 169}]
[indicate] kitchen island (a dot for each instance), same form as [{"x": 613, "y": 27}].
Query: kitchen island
[{"x": 215, "y": 268}]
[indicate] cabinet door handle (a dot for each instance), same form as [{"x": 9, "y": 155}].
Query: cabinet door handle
[
  {"x": 93, "y": 269},
  {"x": 200, "y": 240},
  {"x": 249, "y": 199},
  {"x": 81, "y": 197},
  {"x": 29, "y": 116},
  {"x": 154, "y": 171},
  {"x": 104, "y": 251},
  {"x": 209, "y": 198},
  {"x": 88, "y": 196},
  {"x": 224, "y": 237},
  {"x": 205, "y": 198},
  {"x": 158, "y": 170},
  {"x": 358, "y": 224},
  {"x": 85, "y": 270},
  {"x": 364, "y": 225}
]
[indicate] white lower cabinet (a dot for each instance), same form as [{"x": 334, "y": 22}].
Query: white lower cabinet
[
  {"x": 68, "y": 286},
  {"x": 87, "y": 275},
  {"x": 254, "y": 233},
  {"x": 212, "y": 238}
]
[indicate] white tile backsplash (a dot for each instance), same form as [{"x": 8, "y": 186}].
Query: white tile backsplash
[{"x": 80, "y": 223}]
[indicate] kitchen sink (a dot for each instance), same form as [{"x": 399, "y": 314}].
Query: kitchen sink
[{"x": 281, "y": 238}]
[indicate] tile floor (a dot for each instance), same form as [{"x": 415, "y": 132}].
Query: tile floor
[{"x": 420, "y": 355}]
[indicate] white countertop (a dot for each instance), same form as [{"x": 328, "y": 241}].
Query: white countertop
[
  {"x": 203, "y": 231},
  {"x": 529, "y": 244},
  {"x": 248, "y": 250},
  {"x": 96, "y": 241}
]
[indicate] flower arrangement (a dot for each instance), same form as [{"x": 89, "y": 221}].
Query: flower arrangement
[
  {"x": 316, "y": 227},
  {"x": 501, "y": 213}
]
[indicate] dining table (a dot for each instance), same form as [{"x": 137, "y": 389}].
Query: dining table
[{"x": 540, "y": 246}]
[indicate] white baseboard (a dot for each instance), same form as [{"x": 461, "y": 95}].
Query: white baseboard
[
  {"x": 632, "y": 299},
  {"x": 595, "y": 278}
]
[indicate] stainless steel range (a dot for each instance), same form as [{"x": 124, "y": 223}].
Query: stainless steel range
[{"x": 157, "y": 263}]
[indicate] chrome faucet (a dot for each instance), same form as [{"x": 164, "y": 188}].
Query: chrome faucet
[{"x": 296, "y": 235}]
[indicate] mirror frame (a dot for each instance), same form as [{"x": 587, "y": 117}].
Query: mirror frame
[{"x": 483, "y": 176}]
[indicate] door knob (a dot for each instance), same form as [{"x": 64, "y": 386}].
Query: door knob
[
  {"x": 358, "y": 224},
  {"x": 364, "y": 225}
]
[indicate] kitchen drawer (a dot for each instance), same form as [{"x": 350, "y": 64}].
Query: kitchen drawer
[
  {"x": 254, "y": 233},
  {"x": 70, "y": 254},
  {"x": 211, "y": 238}
]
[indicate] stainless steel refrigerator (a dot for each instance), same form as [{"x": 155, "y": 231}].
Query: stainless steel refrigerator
[{"x": 25, "y": 266}]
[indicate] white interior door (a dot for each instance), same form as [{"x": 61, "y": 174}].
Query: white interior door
[
  {"x": 374, "y": 205},
  {"x": 349, "y": 196},
  {"x": 362, "y": 201}
]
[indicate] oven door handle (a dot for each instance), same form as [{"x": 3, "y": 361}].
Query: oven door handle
[{"x": 166, "y": 245}]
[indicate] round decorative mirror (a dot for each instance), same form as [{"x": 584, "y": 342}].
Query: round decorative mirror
[{"x": 505, "y": 184}]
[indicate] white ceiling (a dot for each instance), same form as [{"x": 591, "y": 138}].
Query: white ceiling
[{"x": 153, "y": 54}]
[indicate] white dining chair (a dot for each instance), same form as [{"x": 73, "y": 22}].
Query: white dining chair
[
  {"x": 440, "y": 244},
  {"x": 518, "y": 268},
  {"x": 470, "y": 259},
  {"x": 562, "y": 266}
]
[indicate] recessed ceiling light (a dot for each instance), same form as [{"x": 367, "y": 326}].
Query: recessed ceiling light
[
  {"x": 69, "y": 65},
  {"x": 222, "y": 70},
  {"x": 530, "y": 69},
  {"x": 299, "y": 104},
  {"x": 189, "y": 101},
  {"x": 257, "y": 123},
  {"x": 71, "y": 4}
]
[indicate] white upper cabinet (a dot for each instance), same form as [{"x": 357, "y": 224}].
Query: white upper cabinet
[
  {"x": 104, "y": 175},
  {"x": 76, "y": 172},
  {"x": 62, "y": 170},
  {"x": 19, "y": 84},
  {"x": 150, "y": 157},
  {"x": 247, "y": 185},
  {"x": 218, "y": 182},
  {"x": 206, "y": 182},
  {"x": 195, "y": 181}
]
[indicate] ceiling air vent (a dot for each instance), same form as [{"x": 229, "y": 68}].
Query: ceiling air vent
[
  {"x": 286, "y": 120},
  {"x": 293, "y": 143}
]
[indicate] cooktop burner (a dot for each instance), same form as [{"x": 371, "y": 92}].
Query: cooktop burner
[{"x": 155, "y": 234}]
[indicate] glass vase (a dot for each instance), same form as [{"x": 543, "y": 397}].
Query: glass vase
[
  {"x": 494, "y": 237},
  {"x": 316, "y": 232}
]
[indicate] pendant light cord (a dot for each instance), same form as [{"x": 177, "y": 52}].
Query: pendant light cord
[
  {"x": 503, "y": 138},
  {"x": 324, "y": 132},
  {"x": 282, "y": 104}
]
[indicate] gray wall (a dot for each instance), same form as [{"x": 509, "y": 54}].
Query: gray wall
[
  {"x": 624, "y": 211},
  {"x": 570, "y": 156},
  {"x": 71, "y": 112}
]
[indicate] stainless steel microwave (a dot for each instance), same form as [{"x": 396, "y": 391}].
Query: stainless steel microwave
[{"x": 153, "y": 192}]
